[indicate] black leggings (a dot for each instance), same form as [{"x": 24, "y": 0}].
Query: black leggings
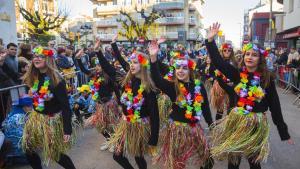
[
  {"x": 123, "y": 161},
  {"x": 36, "y": 163},
  {"x": 106, "y": 135},
  {"x": 219, "y": 115},
  {"x": 252, "y": 164}
]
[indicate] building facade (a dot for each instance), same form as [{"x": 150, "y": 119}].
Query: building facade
[
  {"x": 182, "y": 20},
  {"x": 46, "y": 7},
  {"x": 7, "y": 22},
  {"x": 289, "y": 36}
]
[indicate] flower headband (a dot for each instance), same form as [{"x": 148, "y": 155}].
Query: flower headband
[
  {"x": 142, "y": 60},
  {"x": 250, "y": 46},
  {"x": 41, "y": 51},
  {"x": 185, "y": 62},
  {"x": 226, "y": 46}
]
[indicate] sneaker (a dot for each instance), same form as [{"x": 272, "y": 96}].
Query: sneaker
[{"x": 104, "y": 147}]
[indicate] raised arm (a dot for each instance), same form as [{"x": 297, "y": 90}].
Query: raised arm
[
  {"x": 228, "y": 70},
  {"x": 118, "y": 56},
  {"x": 163, "y": 84},
  {"x": 106, "y": 66}
]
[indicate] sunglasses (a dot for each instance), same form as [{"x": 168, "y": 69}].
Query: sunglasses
[{"x": 227, "y": 50}]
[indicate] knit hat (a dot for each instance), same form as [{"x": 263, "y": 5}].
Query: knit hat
[{"x": 25, "y": 101}]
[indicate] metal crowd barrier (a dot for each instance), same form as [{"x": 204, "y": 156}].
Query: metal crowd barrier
[
  {"x": 289, "y": 80},
  {"x": 73, "y": 81}
]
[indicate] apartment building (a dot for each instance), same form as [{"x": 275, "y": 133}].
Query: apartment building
[
  {"x": 46, "y": 7},
  {"x": 182, "y": 20}
]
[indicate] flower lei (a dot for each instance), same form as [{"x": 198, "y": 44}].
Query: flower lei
[
  {"x": 94, "y": 84},
  {"x": 222, "y": 76},
  {"x": 40, "y": 96},
  {"x": 186, "y": 101},
  {"x": 169, "y": 75},
  {"x": 207, "y": 74},
  {"x": 133, "y": 103},
  {"x": 41, "y": 51},
  {"x": 248, "y": 94}
]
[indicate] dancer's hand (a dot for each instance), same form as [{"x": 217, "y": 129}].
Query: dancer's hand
[
  {"x": 213, "y": 31},
  {"x": 97, "y": 44},
  {"x": 161, "y": 40},
  {"x": 114, "y": 39},
  {"x": 153, "y": 50},
  {"x": 67, "y": 138},
  {"x": 79, "y": 54},
  {"x": 152, "y": 150},
  {"x": 290, "y": 141}
]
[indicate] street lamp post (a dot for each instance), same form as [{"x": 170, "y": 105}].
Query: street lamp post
[{"x": 270, "y": 23}]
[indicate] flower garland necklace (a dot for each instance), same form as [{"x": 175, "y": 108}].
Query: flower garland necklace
[
  {"x": 40, "y": 96},
  {"x": 95, "y": 84},
  {"x": 133, "y": 103},
  {"x": 248, "y": 94},
  {"x": 170, "y": 74},
  {"x": 186, "y": 101}
]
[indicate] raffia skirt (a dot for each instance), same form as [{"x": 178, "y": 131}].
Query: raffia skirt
[
  {"x": 106, "y": 117},
  {"x": 241, "y": 134},
  {"x": 219, "y": 98},
  {"x": 164, "y": 107},
  {"x": 131, "y": 139},
  {"x": 45, "y": 133},
  {"x": 182, "y": 145}
]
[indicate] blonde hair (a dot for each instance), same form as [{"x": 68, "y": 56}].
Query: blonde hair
[
  {"x": 146, "y": 79},
  {"x": 52, "y": 72}
]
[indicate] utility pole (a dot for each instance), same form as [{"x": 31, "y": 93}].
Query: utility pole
[{"x": 270, "y": 23}]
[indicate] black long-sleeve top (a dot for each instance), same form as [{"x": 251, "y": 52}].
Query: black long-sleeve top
[
  {"x": 106, "y": 88},
  {"x": 118, "y": 56},
  {"x": 149, "y": 107},
  {"x": 59, "y": 103},
  {"x": 271, "y": 99},
  {"x": 167, "y": 87}
]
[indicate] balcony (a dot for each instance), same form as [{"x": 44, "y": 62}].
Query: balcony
[
  {"x": 192, "y": 36},
  {"x": 108, "y": 10},
  {"x": 106, "y": 36},
  {"x": 171, "y": 21},
  {"x": 169, "y": 6},
  {"x": 171, "y": 35},
  {"x": 105, "y": 23},
  {"x": 192, "y": 7},
  {"x": 192, "y": 21}
]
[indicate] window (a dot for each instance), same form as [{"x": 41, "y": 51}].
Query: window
[
  {"x": 298, "y": 3},
  {"x": 291, "y": 6},
  {"x": 127, "y": 2},
  {"x": 115, "y": 2}
]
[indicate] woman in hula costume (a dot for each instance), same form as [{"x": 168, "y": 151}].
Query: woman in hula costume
[
  {"x": 182, "y": 138},
  {"x": 107, "y": 113},
  {"x": 48, "y": 128},
  {"x": 138, "y": 129},
  {"x": 245, "y": 130}
]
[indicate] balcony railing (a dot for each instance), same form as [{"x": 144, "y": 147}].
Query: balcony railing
[
  {"x": 106, "y": 37},
  {"x": 171, "y": 35},
  {"x": 171, "y": 20},
  {"x": 192, "y": 36},
  {"x": 106, "y": 23},
  {"x": 192, "y": 21},
  {"x": 169, "y": 5}
]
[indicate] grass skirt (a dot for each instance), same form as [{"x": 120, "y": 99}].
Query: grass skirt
[
  {"x": 45, "y": 133},
  {"x": 164, "y": 107},
  {"x": 247, "y": 134},
  {"x": 219, "y": 98},
  {"x": 131, "y": 138},
  {"x": 106, "y": 117},
  {"x": 182, "y": 144}
]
